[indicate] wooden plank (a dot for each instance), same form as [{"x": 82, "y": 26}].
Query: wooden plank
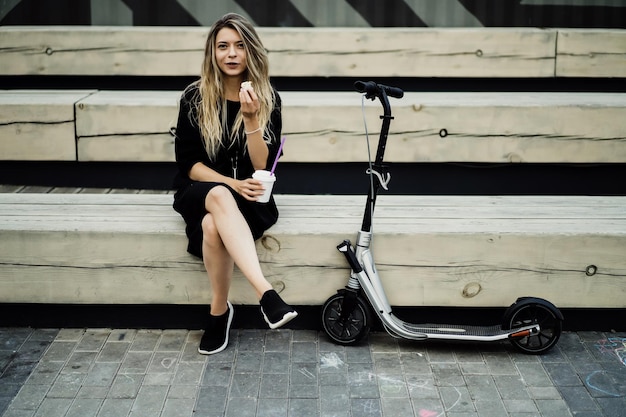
[
  {"x": 340, "y": 52},
  {"x": 101, "y": 50},
  {"x": 425, "y": 258},
  {"x": 392, "y": 209},
  {"x": 9, "y": 188},
  {"x": 463, "y": 205},
  {"x": 36, "y": 189},
  {"x": 463, "y": 127},
  {"x": 361, "y": 52},
  {"x": 136, "y": 121},
  {"x": 64, "y": 190},
  {"x": 411, "y": 52},
  {"x": 591, "y": 53},
  {"x": 428, "y": 127},
  {"x": 425, "y": 269},
  {"x": 38, "y": 125},
  {"x": 316, "y": 225}
]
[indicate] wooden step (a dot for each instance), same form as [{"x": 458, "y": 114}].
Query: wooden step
[
  {"x": 38, "y": 125},
  {"x": 459, "y": 251},
  {"x": 328, "y": 127},
  {"x": 320, "y": 52}
]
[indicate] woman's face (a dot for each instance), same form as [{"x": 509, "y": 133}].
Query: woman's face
[{"x": 230, "y": 53}]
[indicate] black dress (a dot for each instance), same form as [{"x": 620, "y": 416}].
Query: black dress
[{"x": 232, "y": 161}]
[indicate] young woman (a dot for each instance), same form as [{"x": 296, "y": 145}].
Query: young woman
[{"x": 226, "y": 130}]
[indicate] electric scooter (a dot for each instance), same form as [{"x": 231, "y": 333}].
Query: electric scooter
[{"x": 532, "y": 325}]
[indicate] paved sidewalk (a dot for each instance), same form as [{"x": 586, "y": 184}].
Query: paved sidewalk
[{"x": 104, "y": 372}]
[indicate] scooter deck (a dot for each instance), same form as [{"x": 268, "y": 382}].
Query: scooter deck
[
  {"x": 455, "y": 329},
  {"x": 459, "y": 332}
]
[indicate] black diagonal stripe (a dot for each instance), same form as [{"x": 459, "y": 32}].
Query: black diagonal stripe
[
  {"x": 42, "y": 12},
  {"x": 160, "y": 13},
  {"x": 279, "y": 13},
  {"x": 388, "y": 13},
  {"x": 514, "y": 14}
]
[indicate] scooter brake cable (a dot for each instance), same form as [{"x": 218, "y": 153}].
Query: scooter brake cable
[{"x": 370, "y": 170}]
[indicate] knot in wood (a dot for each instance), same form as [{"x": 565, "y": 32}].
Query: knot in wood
[
  {"x": 471, "y": 290},
  {"x": 270, "y": 243},
  {"x": 279, "y": 286},
  {"x": 513, "y": 157}
]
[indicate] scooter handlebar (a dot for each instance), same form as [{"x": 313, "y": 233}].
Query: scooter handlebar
[{"x": 371, "y": 89}]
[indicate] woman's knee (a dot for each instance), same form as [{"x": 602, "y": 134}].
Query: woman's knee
[
  {"x": 209, "y": 230},
  {"x": 219, "y": 196}
]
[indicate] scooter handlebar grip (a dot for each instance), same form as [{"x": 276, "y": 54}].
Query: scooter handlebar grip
[
  {"x": 370, "y": 88},
  {"x": 394, "y": 92},
  {"x": 367, "y": 87}
]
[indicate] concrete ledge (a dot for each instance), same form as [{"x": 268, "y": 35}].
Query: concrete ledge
[{"x": 431, "y": 251}]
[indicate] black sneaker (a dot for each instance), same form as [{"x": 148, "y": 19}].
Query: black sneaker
[
  {"x": 275, "y": 311},
  {"x": 215, "y": 337}
]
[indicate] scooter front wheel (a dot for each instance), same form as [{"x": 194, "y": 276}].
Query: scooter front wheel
[
  {"x": 349, "y": 328},
  {"x": 528, "y": 311}
]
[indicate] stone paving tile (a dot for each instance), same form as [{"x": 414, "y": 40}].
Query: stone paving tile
[
  {"x": 21, "y": 349},
  {"x": 178, "y": 407},
  {"x": 128, "y": 372},
  {"x": 272, "y": 407},
  {"x": 145, "y": 340},
  {"x": 85, "y": 407},
  {"x": 115, "y": 407}
]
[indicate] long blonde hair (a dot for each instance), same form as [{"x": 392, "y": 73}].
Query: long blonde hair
[{"x": 211, "y": 103}]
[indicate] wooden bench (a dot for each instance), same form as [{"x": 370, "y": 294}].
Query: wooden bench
[
  {"x": 431, "y": 251},
  {"x": 38, "y": 125},
  {"x": 454, "y": 251},
  {"x": 324, "y": 126},
  {"x": 323, "y": 52},
  {"x": 134, "y": 126}
]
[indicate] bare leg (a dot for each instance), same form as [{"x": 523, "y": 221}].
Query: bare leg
[
  {"x": 218, "y": 263},
  {"x": 237, "y": 241},
  {"x": 219, "y": 266}
]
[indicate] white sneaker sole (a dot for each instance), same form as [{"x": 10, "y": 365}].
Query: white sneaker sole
[
  {"x": 231, "y": 313},
  {"x": 286, "y": 319}
]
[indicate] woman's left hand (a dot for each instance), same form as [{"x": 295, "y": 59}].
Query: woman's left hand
[{"x": 250, "y": 189}]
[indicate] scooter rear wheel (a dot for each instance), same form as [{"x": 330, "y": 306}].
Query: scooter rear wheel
[
  {"x": 351, "y": 329},
  {"x": 534, "y": 311}
]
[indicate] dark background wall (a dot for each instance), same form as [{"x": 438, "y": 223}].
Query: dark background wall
[{"x": 301, "y": 13}]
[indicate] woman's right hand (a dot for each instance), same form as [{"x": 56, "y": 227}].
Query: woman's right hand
[{"x": 250, "y": 189}]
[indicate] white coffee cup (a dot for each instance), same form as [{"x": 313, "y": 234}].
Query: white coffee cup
[{"x": 268, "y": 181}]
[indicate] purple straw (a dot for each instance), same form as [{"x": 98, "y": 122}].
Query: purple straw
[{"x": 280, "y": 148}]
